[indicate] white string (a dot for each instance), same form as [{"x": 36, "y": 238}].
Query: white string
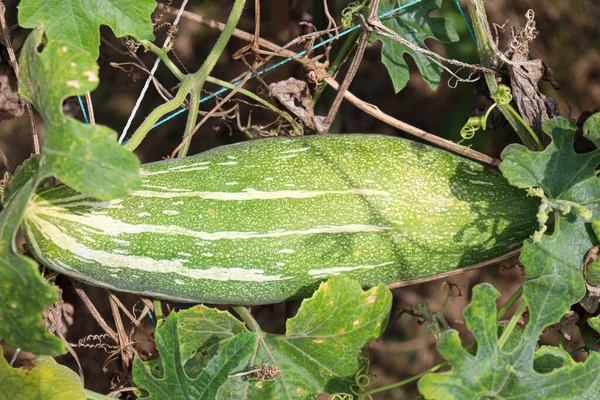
[{"x": 150, "y": 78}]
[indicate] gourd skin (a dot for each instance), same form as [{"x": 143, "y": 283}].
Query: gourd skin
[{"x": 264, "y": 221}]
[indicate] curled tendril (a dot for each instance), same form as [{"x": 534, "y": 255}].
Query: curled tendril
[
  {"x": 502, "y": 95},
  {"x": 341, "y": 396},
  {"x": 363, "y": 379},
  {"x": 473, "y": 125},
  {"x": 350, "y": 12}
]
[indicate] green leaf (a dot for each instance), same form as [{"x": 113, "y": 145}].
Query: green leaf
[
  {"x": 85, "y": 157},
  {"x": 24, "y": 294},
  {"x": 22, "y": 174},
  {"x": 514, "y": 338},
  {"x": 415, "y": 25},
  {"x": 591, "y": 129},
  {"x": 44, "y": 379},
  {"x": 558, "y": 170},
  {"x": 562, "y": 254},
  {"x": 564, "y": 176},
  {"x": 549, "y": 358},
  {"x": 203, "y": 332},
  {"x": 175, "y": 382},
  {"x": 77, "y": 22},
  {"x": 318, "y": 353},
  {"x": 594, "y": 323},
  {"x": 497, "y": 373}
]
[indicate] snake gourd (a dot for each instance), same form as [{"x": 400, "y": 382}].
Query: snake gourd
[{"x": 267, "y": 220}]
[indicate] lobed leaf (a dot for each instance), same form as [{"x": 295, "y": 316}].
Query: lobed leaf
[
  {"x": 77, "y": 22},
  {"x": 43, "y": 379},
  {"x": 85, "y": 157},
  {"x": 23, "y": 291},
  {"x": 176, "y": 383},
  {"x": 318, "y": 353},
  {"x": 563, "y": 175},
  {"x": 415, "y": 25},
  {"x": 499, "y": 373}
]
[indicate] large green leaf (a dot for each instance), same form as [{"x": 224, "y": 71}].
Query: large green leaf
[
  {"x": 44, "y": 379},
  {"x": 204, "y": 331},
  {"x": 414, "y": 24},
  {"x": 24, "y": 295},
  {"x": 563, "y": 175},
  {"x": 77, "y": 22},
  {"x": 497, "y": 373},
  {"x": 23, "y": 173},
  {"x": 175, "y": 382},
  {"x": 85, "y": 157},
  {"x": 318, "y": 353}
]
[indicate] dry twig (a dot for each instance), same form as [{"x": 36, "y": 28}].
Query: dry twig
[
  {"x": 321, "y": 73},
  {"x": 15, "y": 65}
]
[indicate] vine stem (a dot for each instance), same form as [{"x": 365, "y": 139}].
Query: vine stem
[
  {"x": 511, "y": 324},
  {"x": 138, "y": 102},
  {"x": 149, "y": 46},
  {"x": 191, "y": 120},
  {"x": 409, "y": 380},
  {"x": 191, "y": 83},
  {"x": 297, "y": 128},
  {"x": 248, "y": 319},
  {"x": 339, "y": 57},
  {"x": 489, "y": 58},
  {"x": 362, "y": 105},
  {"x": 513, "y": 299},
  {"x": 199, "y": 77},
  {"x": 95, "y": 396},
  {"x": 157, "y": 113}
]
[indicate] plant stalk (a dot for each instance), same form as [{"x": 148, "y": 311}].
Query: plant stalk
[
  {"x": 337, "y": 61},
  {"x": 513, "y": 299},
  {"x": 149, "y": 46},
  {"x": 248, "y": 319},
  {"x": 489, "y": 59},
  {"x": 190, "y": 124},
  {"x": 191, "y": 83},
  {"x": 89, "y": 395},
  {"x": 511, "y": 324},
  {"x": 157, "y": 113},
  {"x": 408, "y": 380}
]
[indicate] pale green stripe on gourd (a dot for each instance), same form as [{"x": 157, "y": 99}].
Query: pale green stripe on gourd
[{"x": 266, "y": 220}]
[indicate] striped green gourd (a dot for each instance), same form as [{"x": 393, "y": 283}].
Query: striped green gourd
[{"x": 267, "y": 220}]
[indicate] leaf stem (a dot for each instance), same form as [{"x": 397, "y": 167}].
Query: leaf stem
[
  {"x": 157, "y": 113},
  {"x": 89, "y": 395},
  {"x": 297, "y": 128},
  {"x": 248, "y": 319},
  {"x": 511, "y": 324},
  {"x": 409, "y": 380},
  {"x": 191, "y": 83},
  {"x": 513, "y": 299},
  {"x": 164, "y": 57},
  {"x": 489, "y": 59}
]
